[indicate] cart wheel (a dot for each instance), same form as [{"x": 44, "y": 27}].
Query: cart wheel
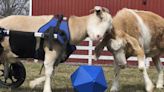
[{"x": 15, "y": 77}]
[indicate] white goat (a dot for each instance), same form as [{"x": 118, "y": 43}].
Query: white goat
[{"x": 93, "y": 25}]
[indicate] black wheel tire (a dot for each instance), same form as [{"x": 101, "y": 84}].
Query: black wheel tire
[{"x": 19, "y": 73}]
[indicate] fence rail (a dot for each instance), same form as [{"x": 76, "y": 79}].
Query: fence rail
[{"x": 89, "y": 55}]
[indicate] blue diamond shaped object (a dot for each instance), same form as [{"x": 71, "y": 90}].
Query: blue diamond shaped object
[{"x": 89, "y": 79}]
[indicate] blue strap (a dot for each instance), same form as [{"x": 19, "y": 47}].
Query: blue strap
[{"x": 63, "y": 26}]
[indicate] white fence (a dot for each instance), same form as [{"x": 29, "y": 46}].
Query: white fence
[{"x": 89, "y": 56}]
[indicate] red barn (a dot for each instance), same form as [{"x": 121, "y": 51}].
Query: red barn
[{"x": 82, "y": 7}]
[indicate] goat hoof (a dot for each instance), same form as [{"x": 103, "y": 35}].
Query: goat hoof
[
  {"x": 47, "y": 90},
  {"x": 114, "y": 89},
  {"x": 159, "y": 86},
  {"x": 150, "y": 88},
  {"x": 141, "y": 68},
  {"x": 32, "y": 84}
]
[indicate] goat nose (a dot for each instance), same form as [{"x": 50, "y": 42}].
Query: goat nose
[{"x": 97, "y": 11}]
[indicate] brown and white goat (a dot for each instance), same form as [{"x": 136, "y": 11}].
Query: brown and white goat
[
  {"x": 135, "y": 33},
  {"x": 93, "y": 25}
]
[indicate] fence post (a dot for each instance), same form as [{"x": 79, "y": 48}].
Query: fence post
[
  {"x": 90, "y": 52},
  {"x": 30, "y": 10}
]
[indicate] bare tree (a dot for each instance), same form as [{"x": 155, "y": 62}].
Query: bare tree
[{"x": 14, "y": 7}]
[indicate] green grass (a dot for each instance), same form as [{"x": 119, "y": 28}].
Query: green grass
[{"x": 131, "y": 79}]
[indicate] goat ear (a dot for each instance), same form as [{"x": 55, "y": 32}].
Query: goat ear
[
  {"x": 105, "y": 9},
  {"x": 92, "y": 10}
]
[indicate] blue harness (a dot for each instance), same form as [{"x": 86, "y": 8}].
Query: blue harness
[
  {"x": 63, "y": 34},
  {"x": 63, "y": 26}
]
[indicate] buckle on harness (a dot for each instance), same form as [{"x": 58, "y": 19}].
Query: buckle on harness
[{"x": 49, "y": 34}]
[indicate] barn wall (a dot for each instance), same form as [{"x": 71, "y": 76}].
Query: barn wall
[{"x": 82, "y": 7}]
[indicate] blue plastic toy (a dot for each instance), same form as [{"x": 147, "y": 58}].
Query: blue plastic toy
[{"x": 89, "y": 79}]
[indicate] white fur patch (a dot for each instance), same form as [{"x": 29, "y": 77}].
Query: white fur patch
[
  {"x": 98, "y": 8},
  {"x": 120, "y": 57},
  {"x": 145, "y": 32},
  {"x": 119, "y": 53},
  {"x": 97, "y": 27},
  {"x": 116, "y": 44}
]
